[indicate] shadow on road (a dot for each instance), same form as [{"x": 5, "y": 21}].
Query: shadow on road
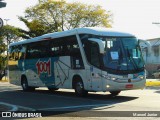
[
  {"x": 89, "y": 111},
  {"x": 92, "y": 96},
  {"x": 63, "y": 103}
]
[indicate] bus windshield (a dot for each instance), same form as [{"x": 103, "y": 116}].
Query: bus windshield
[{"x": 122, "y": 54}]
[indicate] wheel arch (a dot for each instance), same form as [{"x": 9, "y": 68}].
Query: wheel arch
[
  {"x": 23, "y": 76},
  {"x": 76, "y": 78}
]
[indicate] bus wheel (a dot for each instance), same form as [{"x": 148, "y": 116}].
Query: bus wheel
[
  {"x": 25, "y": 86},
  {"x": 79, "y": 89},
  {"x": 114, "y": 93}
]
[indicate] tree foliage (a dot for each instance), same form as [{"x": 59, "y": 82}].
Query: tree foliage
[
  {"x": 35, "y": 28},
  {"x": 10, "y": 33},
  {"x": 52, "y": 16}
]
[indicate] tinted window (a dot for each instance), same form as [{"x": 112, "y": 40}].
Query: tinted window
[
  {"x": 38, "y": 50},
  {"x": 65, "y": 46},
  {"x": 92, "y": 52},
  {"x": 17, "y": 52}
]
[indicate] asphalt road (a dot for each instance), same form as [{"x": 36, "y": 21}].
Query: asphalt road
[{"x": 64, "y": 103}]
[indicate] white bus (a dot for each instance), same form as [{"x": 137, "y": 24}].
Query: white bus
[{"x": 84, "y": 59}]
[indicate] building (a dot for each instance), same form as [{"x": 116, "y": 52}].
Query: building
[{"x": 152, "y": 59}]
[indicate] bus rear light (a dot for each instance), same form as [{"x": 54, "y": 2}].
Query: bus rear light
[{"x": 129, "y": 86}]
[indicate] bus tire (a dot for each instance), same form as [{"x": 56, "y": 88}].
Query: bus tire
[
  {"x": 24, "y": 84},
  {"x": 79, "y": 88},
  {"x": 114, "y": 93}
]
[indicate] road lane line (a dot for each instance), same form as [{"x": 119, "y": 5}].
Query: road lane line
[
  {"x": 13, "y": 107},
  {"x": 70, "y": 107},
  {"x": 26, "y": 108},
  {"x": 16, "y": 107}
]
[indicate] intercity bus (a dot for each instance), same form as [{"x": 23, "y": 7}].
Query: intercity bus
[{"x": 83, "y": 59}]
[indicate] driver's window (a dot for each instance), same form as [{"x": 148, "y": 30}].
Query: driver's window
[
  {"x": 95, "y": 54},
  {"x": 92, "y": 53}
]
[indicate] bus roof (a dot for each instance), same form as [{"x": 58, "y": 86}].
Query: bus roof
[{"x": 86, "y": 30}]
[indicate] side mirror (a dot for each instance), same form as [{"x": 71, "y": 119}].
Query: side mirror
[
  {"x": 144, "y": 42},
  {"x": 100, "y": 43}
]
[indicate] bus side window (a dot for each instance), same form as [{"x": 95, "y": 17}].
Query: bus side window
[
  {"x": 37, "y": 50},
  {"x": 63, "y": 46},
  {"x": 55, "y": 47},
  {"x": 22, "y": 53},
  {"x": 92, "y": 52}
]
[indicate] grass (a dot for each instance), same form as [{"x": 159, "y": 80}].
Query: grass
[{"x": 4, "y": 79}]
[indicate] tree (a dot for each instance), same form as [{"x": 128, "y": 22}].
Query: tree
[
  {"x": 56, "y": 16},
  {"x": 2, "y": 46},
  {"x": 2, "y": 57},
  {"x": 8, "y": 34},
  {"x": 11, "y": 34},
  {"x": 36, "y": 28}
]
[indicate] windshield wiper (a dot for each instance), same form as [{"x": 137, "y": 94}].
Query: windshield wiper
[{"x": 130, "y": 58}]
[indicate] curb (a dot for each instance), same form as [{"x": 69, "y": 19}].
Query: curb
[{"x": 152, "y": 82}]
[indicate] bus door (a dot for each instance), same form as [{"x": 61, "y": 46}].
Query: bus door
[
  {"x": 93, "y": 57},
  {"x": 96, "y": 82}
]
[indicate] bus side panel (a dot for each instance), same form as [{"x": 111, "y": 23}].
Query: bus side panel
[
  {"x": 65, "y": 70},
  {"x": 62, "y": 72},
  {"x": 14, "y": 72},
  {"x": 40, "y": 72}
]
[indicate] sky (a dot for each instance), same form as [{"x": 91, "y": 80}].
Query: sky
[{"x": 134, "y": 16}]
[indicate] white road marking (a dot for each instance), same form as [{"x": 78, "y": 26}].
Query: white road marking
[
  {"x": 70, "y": 107},
  {"x": 26, "y": 108},
  {"x": 13, "y": 107}
]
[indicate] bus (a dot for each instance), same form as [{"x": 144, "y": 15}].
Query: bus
[{"x": 84, "y": 59}]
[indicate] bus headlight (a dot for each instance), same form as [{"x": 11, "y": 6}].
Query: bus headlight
[
  {"x": 141, "y": 77},
  {"x": 113, "y": 78},
  {"x": 107, "y": 86}
]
